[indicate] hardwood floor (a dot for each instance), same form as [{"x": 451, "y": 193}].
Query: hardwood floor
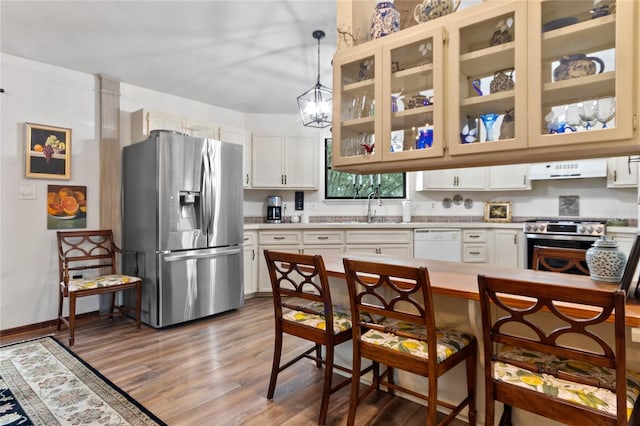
[{"x": 216, "y": 371}]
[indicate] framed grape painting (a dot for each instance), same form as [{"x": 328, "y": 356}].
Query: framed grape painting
[{"x": 48, "y": 152}]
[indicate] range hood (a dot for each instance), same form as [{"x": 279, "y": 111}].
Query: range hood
[{"x": 568, "y": 169}]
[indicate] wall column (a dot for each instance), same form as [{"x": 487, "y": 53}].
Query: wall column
[{"x": 110, "y": 156}]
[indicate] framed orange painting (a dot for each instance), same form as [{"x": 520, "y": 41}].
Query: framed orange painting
[{"x": 66, "y": 206}]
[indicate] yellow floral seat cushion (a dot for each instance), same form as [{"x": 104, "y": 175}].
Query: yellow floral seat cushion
[
  {"x": 341, "y": 317},
  {"x": 591, "y": 396},
  {"x": 101, "y": 281},
  {"x": 448, "y": 341}
]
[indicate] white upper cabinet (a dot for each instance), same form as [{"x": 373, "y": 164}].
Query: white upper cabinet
[
  {"x": 285, "y": 162},
  {"x": 144, "y": 121},
  {"x": 240, "y": 137},
  {"x": 470, "y": 179},
  {"x": 509, "y": 177},
  {"x": 622, "y": 172}
]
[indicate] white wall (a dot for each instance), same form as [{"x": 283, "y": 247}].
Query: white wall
[{"x": 42, "y": 94}]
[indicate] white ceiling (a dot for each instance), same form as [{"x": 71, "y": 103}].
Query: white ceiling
[{"x": 251, "y": 56}]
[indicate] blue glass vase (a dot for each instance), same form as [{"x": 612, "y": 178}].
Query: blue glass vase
[{"x": 489, "y": 120}]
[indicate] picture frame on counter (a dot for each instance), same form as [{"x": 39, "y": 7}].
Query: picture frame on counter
[
  {"x": 48, "y": 152},
  {"x": 497, "y": 211}
]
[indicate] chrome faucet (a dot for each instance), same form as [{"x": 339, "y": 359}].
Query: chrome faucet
[{"x": 369, "y": 197}]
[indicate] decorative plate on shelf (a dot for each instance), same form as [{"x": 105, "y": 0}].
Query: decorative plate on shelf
[
  {"x": 446, "y": 203},
  {"x": 457, "y": 199},
  {"x": 468, "y": 203}
]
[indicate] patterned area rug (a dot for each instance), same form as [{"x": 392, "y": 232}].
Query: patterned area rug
[{"x": 44, "y": 383}]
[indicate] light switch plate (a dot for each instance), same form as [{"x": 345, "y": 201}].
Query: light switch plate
[
  {"x": 27, "y": 192},
  {"x": 635, "y": 335}
]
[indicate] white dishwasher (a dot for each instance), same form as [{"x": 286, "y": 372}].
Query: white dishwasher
[{"x": 438, "y": 244}]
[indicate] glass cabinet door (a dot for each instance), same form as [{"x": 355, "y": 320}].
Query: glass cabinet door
[
  {"x": 581, "y": 54},
  {"x": 487, "y": 80},
  {"x": 357, "y": 87},
  {"x": 412, "y": 104}
]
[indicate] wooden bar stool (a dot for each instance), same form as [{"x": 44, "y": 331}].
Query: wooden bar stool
[
  {"x": 394, "y": 325},
  {"x": 303, "y": 308},
  {"x": 569, "y": 259},
  {"x": 539, "y": 370}
]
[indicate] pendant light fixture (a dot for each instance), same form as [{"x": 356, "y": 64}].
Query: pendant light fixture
[{"x": 315, "y": 104}]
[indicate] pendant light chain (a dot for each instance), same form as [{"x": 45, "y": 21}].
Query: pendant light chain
[{"x": 315, "y": 105}]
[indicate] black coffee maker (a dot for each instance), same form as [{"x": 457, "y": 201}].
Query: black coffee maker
[{"x": 274, "y": 209}]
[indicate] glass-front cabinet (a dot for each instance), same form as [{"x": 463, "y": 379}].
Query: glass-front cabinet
[
  {"x": 388, "y": 95},
  {"x": 413, "y": 96},
  {"x": 499, "y": 82},
  {"x": 488, "y": 80},
  {"x": 581, "y": 87},
  {"x": 357, "y": 87}
]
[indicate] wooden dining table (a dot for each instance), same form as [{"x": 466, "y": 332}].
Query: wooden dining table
[{"x": 460, "y": 280}]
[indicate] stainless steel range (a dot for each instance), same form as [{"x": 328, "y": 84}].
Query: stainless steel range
[{"x": 561, "y": 233}]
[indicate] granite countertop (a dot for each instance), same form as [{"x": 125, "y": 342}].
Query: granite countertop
[{"x": 406, "y": 225}]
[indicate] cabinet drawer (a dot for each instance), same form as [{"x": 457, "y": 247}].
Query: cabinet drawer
[
  {"x": 322, "y": 237},
  {"x": 378, "y": 237},
  {"x": 279, "y": 237},
  {"x": 250, "y": 239},
  {"x": 474, "y": 253},
  {"x": 474, "y": 236}
]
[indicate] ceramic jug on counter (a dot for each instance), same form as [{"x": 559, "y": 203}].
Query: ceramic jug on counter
[
  {"x": 431, "y": 9},
  {"x": 605, "y": 261},
  {"x": 577, "y": 65}
]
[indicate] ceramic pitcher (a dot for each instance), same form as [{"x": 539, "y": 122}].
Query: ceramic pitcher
[
  {"x": 431, "y": 9},
  {"x": 577, "y": 65}
]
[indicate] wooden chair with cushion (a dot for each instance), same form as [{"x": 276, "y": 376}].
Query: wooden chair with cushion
[
  {"x": 534, "y": 358},
  {"x": 401, "y": 333},
  {"x": 303, "y": 308},
  {"x": 558, "y": 259},
  {"x": 87, "y": 267}
]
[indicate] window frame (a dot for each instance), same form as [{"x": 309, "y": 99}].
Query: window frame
[{"x": 367, "y": 181}]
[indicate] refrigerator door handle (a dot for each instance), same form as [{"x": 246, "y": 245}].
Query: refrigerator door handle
[
  {"x": 206, "y": 185},
  {"x": 206, "y": 255}
]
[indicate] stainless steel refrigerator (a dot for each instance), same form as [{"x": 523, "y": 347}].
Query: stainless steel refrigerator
[{"x": 182, "y": 217}]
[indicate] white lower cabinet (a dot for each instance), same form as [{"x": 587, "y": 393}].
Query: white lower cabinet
[
  {"x": 323, "y": 242},
  {"x": 288, "y": 241},
  {"x": 474, "y": 246},
  {"x": 383, "y": 241},
  {"x": 507, "y": 248},
  {"x": 250, "y": 250}
]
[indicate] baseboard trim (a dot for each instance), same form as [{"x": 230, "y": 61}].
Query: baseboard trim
[{"x": 44, "y": 324}]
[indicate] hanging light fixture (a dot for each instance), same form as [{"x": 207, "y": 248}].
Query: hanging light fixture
[{"x": 315, "y": 104}]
